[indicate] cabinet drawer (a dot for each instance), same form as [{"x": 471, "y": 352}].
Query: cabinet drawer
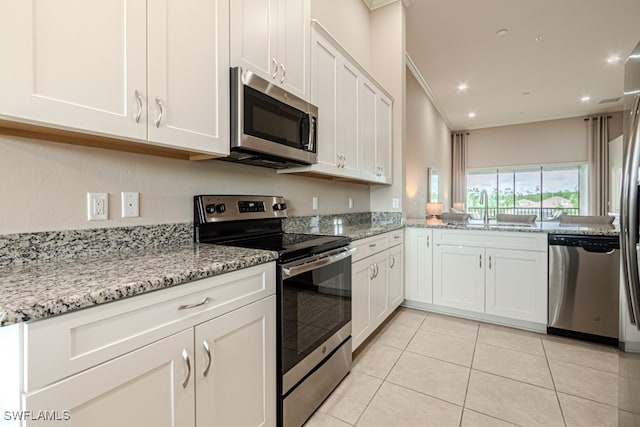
[
  {"x": 369, "y": 246},
  {"x": 396, "y": 237},
  {"x": 61, "y": 346}
]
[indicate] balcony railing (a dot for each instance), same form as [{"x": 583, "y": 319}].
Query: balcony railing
[{"x": 542, "y": 213}]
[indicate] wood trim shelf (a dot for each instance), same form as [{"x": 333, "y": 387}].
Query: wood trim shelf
[{"x": 43, "y": 133}]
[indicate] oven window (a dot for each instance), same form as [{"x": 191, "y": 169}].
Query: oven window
[
  {"x": 267, "y": 118},
  {"x": 315, "y": 305}
]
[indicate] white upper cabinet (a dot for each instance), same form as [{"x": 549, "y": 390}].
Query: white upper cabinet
[
  {"x": 384, "y": 138},
  {"x": 324, "y": 90},
  {"x": 272, "y": 38},
  {"x": 188, "y": 79},
  {"x": 367, "y": 132},
  {"x": 354, "y": 116},
  {"x": 155, "y": 72},
  {"x": 347, "y": 113},
  {"x": 75, "y": 64}
]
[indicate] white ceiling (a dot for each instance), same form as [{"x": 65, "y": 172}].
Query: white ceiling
[{"x": 455, "y": 41}]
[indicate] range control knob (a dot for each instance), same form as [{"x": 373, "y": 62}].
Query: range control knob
[
  {"x": 221, "y": 208},
  {"x": 210, "y": 208},
  {"x": 279, "y": 206}
]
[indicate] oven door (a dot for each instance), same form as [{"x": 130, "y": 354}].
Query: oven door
[{"x": 316, "y": 312}]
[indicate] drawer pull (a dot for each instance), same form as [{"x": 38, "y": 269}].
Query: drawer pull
[
  {"x": 396, "y": 237},
  {"x": 207, "y": 350},
  {"x": 373, "y": 245},
  {"x": 185, "y": 357},
  {"x": 198, "y": 304}
]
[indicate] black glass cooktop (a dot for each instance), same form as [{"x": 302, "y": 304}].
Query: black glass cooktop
[{"x": 291, "y": 246}]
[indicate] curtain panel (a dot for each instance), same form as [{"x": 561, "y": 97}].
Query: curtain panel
[
  {"x": 598, "y": 152},
  {"x": 459, "y": 142}
]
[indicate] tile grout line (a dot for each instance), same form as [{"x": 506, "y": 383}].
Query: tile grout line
[
  {"x": 555, "y": 389},
  {"x": 466, "y": 391},
  {"x": 386, "y": 376}
]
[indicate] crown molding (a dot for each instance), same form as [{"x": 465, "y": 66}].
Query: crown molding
[
  {"x": 423, "y": 84},
  {"x": 375, "y": 4}
]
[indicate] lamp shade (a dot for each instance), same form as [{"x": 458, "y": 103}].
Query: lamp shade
[{"x": 434, "y": 208}]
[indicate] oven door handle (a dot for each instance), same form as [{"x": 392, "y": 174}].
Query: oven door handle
[{"x": 291, "y": 271}]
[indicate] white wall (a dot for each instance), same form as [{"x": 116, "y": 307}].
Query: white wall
[
  {"x": 388, "y": 66},
  {"x": 349, "y": 22},
  {"x": 43, "y": 186},
  {"x": 547, "y": 142},
  {"x": 428, "y": 144}
]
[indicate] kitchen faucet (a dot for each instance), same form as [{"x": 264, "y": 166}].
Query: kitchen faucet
[{"x": 484, "y": 200}]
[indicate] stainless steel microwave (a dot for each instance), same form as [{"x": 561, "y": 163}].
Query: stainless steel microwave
[{"x": 270, "y": 126}]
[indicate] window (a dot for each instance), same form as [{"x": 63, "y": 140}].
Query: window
[{"x": 546, "y": 191}]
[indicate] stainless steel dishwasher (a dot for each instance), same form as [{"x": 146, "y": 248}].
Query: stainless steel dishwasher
[{"x": 584, "y": 283}]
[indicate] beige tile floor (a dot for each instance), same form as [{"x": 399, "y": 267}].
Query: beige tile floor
[{"x": 425, "y": 369}]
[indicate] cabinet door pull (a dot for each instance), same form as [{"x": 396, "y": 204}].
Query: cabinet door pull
[
  {"x": 372, "y": 274},
  {"x": 139, "y": 99},
  {"x": 376, "y": 265},
  {"x": 185, "y": 357},
  {"x": 275, "y": 68},
  {"x": 284, "y": 73},
  {"x": 207, "y": 351},
  {"x": 204, "y": 301},
  {"x": 393, "y": 261},
  {"x": 480, "y": 261},
  {"x": 160, "y": 111},
  {"x": 428, "y": 243},
  {"x": 489, "y": 262}
]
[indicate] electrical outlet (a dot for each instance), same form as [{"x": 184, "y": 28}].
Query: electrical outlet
[
  {"x": 314, "y": 203},
  {"x": 97, "y": 206},
  {"x": 350, "y": 202},
  {"x": 130, "y": 205}
]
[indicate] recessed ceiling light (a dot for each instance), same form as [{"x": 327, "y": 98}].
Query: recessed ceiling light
[
  {"x": 502, "y": 32},
  {"x": 462, "y": 87},
  {"x": 472, "y": 115},
  {"x": 539, "y": 38},
  {"x": 613, "y": 59},
  {"x": 585, "y": 98}
]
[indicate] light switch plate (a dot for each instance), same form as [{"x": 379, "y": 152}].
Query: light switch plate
[
  {"x": 395, "y": 202},
  {"x": 314, "y": 203}
]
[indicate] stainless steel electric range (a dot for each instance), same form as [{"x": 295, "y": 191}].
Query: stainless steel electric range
[{"x": 313, "y": 294}]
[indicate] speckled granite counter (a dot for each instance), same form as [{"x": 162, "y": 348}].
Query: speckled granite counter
[
  {"x": 45, "y": 289},
  {"x": 357, "y": 226},
  {"x": 538, "y": 227}
]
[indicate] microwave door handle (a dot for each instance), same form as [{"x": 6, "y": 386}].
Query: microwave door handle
[
  {"x": 312, "y": 132},
  {"x": 303, "y": 267},
  {"x": 629, "y": 216}
]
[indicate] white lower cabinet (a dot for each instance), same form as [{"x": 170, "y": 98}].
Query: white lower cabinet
[
  {"x": 419, "y": 265},
  {"x": 143, "y": 388},
  {"x": 377, "y": 283},
  {"x": 516, "y": 284},
  {"x": 493, "y": 276},
  {"x": 396, "y": 276},
  {"x": 211, "y": 362},
  {"x": 236, "y": 367},
  {"x": 458, "y": 277}
]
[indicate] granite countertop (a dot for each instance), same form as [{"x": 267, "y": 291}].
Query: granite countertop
[
  {"x": 46, "y": 289},
  {"x": 355, "y": 231},
  {"x": 538, "y": 227}
]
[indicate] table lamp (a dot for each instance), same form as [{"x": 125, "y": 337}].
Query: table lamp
[{"x": 433, "y": 209}]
